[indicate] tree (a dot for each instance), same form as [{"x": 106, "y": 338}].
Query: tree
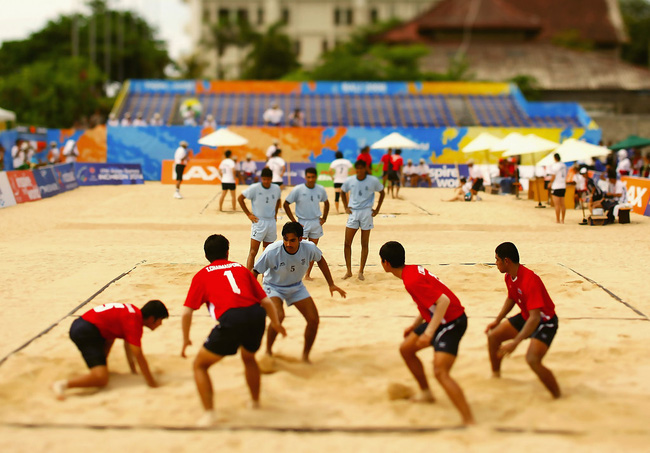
[
  {"x": 636, "y": 15},
  {"x": 271, "y": 56},
  {"x": 225, "y": 34}
]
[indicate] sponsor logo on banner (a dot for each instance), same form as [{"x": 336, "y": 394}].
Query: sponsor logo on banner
[
  {"x": 447, "y": 175},
  {"x": 108, "y": 174},
  {"x": 65, "y": 176},
  {"x": 638, "y": 194},
  {"x": 23, "y": 186},
  {"x": 47, "y": 182},
  {"x": 198, "y": 171},
  {"x": 6, "y": 193}
]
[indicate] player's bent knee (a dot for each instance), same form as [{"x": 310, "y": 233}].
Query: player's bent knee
[{"x": 533, "y": 360}]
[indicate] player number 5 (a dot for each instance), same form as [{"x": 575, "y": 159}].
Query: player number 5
[{"x": 233, "y": 283}]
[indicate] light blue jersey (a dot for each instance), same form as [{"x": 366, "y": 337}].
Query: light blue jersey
[
  {"x": 307, "y": 201},
  {"x": 280, "y": 268},
  {"x": 263, "y": 200},
  {"x": 361, "y": 193}
]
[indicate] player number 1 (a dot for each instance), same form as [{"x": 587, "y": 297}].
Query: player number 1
[{"x": 233, "y": 283}]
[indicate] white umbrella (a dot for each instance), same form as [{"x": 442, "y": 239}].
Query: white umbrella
[
  {"x": 223, "y": 137},
  {"x": 510, "y": 141},
  {"x": 531, "y": 144},
  {"x": 484, "y": 142},
  {"x": 6, "y": 115},
  {"x": 394, "y": 140},
  {"x": 572, "y": 150}
]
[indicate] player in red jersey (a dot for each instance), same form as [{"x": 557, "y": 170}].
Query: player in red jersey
[
  {"x": 441, "y": 324},
  {"x": 537, "y": 319},
  {"x": 236, "y": 300},
  {"x": 96, "y": 330}
]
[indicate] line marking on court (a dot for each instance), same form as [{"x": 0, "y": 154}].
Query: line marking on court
[
  {"x": 421, "y": 208},
  {"x": 85, "y": 302},
  {"x": 294, "y": 429},
  {"x": 614, "y": 296},
  {"x": 210, "y": 202}
]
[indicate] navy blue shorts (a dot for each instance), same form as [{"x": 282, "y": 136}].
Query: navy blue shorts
[
  {"x": 545, "y": 332},
  {"x": 89, "y": 341},
  {"x": 237, "y": 327},
  {"x": 447, "y": 336}
]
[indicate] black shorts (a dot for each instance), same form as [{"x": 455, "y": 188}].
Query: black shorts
[
  {"x": 393, "y": 176},
  {"x": 238, "y": 327},
  {"x": 279, "y": 184},
  {"x": 89, "y": 341},
  {"x": 447, "y": 336},
  {"x": 545, "y": 332},
  {"x": 180, "y": 168},
  {"x": 384, "y": 174},
  {"x": 558, "y": 192},
  {"x": 228, "y": 186},
  {"x": 478, "y": 184},
  {"x": 337, "y": 185}
]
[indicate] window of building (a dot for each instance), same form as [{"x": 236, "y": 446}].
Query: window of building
[
  {"x": 324, "y": 46},
  {"x": 260, "y": 16},
  {"x": 285, "y": 16},
  {"x": 349, "y": 16},
  {"x": 224, "y": 15},
  {"x": 337, "y": 16},
  {"x": 242, "y": 16},
  {"x": 374, "y": 16}
]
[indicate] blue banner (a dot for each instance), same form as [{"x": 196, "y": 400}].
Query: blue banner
[
  {"x": 65, "y": 176},
  {"x": 447, "y": 175},
  {"x": 88, "y": 174},
  {"x": 47, "y": 182}
]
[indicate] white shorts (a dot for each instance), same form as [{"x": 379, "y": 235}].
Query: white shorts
[
  {"x": 312, "y": 229},
  {"x": 360, "y": 218},
  {"x": 290, "y": 294},
  {"x": 264, "y": 230}
]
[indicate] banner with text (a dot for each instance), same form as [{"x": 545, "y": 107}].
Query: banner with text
[
  {"x": 65, "y": 176},
  {"x": 23, "y": 186},
  {"x": 6, "y": 193},
  {"x": 47, "y": 182},
  {"x": 638, "y": 194},
  {"x": 108, "y": 174}
]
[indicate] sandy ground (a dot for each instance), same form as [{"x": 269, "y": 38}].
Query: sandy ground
[{"x": 58, "y": 253}]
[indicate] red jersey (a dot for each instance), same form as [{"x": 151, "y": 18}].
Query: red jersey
[
  {"x": 367, "y": 158},
  {"x": 529, "y": 293},
  {"x": 425, "y": 289},
  {"x": 117, "y": 321},
  {"x": 398, "y": 162},
  {"x": 223, "y": 285},
  {"x": 387, "y": 160}
]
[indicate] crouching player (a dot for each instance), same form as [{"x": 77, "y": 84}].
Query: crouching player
[
  {"x": 441, "y": 324},
  {"x": 236, "y": 300}
]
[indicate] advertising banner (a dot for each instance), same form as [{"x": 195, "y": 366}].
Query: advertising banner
[
  {"x": 6, "y": 193},
  {"x": 198, "y": 171},
  {"x": 447, "y": 175},
  {"x": 65, "y": 176},
  {"x": 108, "y": 174},
  {"x": 638, "y": 194},
  {"x": 47, "y": 182},
  {"x": 23, "y": 186}
]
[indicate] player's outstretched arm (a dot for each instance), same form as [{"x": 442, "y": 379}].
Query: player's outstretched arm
[
  {"x": 142, "y": 363},
  {"x": 507, "y": 306},
  {"x": 272, "y": 313},
  {"x": 382, "y": 194},
  {"x": 186, "y": 322},
  {"x": 325, "y": 269},
  {"x": 287, "y": 210},
  {"x": 129, "y": 358}
]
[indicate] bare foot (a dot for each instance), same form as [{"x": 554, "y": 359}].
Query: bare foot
[
  {"x": 361, "y": 277},
  {"x": 496, "y": 374},
  {"x": 347, "y": 275},
  {"x": 305, "y": 359},
  {"x": 207, "y": 420},
  {"x": 58, "y": 387},
  {"x": 425, "y": 396},
  {"x": 308, "y": 278},
  {"x": 253, "y": 404}
]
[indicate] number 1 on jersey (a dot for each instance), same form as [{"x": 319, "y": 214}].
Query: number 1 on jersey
[{"x": 233, "y": 283}]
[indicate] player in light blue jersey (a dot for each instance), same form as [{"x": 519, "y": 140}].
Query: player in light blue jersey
[
  {"x": 284, "y": 264},
  {"x": 308, "y": 197},
  {"x": 361, "y": 189},
  {"x": 265, "y": 202}
]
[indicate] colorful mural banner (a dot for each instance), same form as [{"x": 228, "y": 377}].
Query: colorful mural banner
[
  {"x": 91, "y": 174},
  {"x": 197, "y": 171},
  {"x": 65, "y": 176},
  {"x": 6, "y": 192},
  {"x": 47, "y": 182},
  {"x": 638, "y": 194},
  {"x": 23, "y": 186}
]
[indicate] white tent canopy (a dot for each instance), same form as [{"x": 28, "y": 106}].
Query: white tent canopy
[
  {"x": 7, "y": 115},
  {"x": 223, "y": 137},
  {"x": 510, "y": 141},
  {"x": 484, "y": 142},
  {"x": 573, "y": 150},
  {"x": 394, "y": 140},
  {"x": 531, "y": 144}
]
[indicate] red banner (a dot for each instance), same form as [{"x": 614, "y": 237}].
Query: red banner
[{"x": 24, "y": 186}]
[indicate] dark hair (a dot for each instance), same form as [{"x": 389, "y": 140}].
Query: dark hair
[
  {"x": 398, "y": 151},
  {"x": 292, "y": 227},
  {"x": 277, "y": 152},
  {"x": 557, "y": 157},
  {"x": 228, "y": 153},
  {"x": 216, "y": 247},
  {"x": 360, "y": 163},
  {"x": 463, "y": 180},
  {"x": 339, "y": 155},
  {"x": 266, "y": 172},
  {"x": 312, "y": 171},
  {"x": 508, "y": 250},
  {"x": 156, "y": 309},
  {"x": 611, "y": 174},
  {"x": 394, "y": 253}
]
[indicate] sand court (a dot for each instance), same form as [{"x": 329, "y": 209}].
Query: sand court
[{"x": 72, "y": 246}]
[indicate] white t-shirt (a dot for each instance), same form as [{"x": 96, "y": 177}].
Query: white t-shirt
[
  {"x": 227, "y": 168},
  {"x": 270, "y": 150},
  {"x": 282, "y": 269},
  {"x": 180, "y": 156},
  {"x": 341, "y": 169},
  {"x": 125, "y": 122},
  {"x": 475, "y": 173},
  {"x": 410, "y": 170},
  {"x": 467, "y": 187},
  {"x": 54, "y": 155},
  {"x": 70, "y": 151},
  {"x": 113, "y": 122},
  {"x": 624, "y": 165},
  {"x": 273, "y": 116},
  {"x": 248, "y": 166},
  {"x": 423, "y": 169},
  {"x": 619, "y": 187},
  {"x": 558, "y": 169},
  {"x": 139, "y": 122},
  {"x": 276, "y": 164},
  {"x": 361, "y": 192}
]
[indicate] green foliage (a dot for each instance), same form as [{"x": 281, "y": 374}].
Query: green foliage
[
  {"x": 271, "y": 56},
  {"x": 636, "y": 15},
  {"x": 571, "y": 39},
  {"x": 53, "y": 93},
  {"x": 528, "y": 86}
]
